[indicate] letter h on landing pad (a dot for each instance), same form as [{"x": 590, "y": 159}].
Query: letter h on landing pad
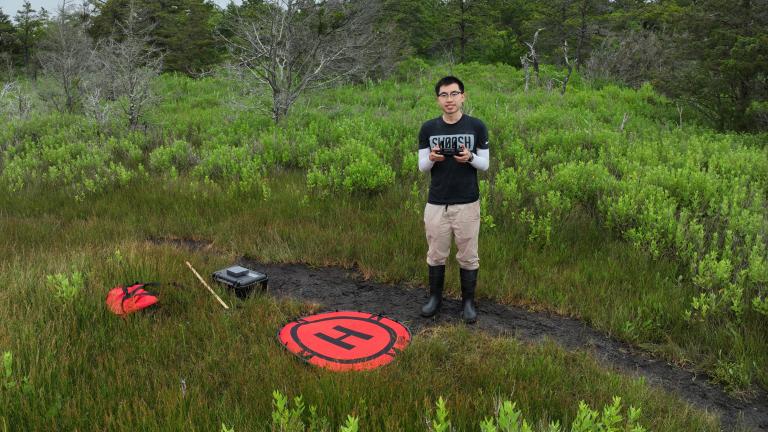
[{"x": 339, "y": 341}]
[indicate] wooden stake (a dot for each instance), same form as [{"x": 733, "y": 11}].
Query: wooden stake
[{"x": 206, "y": 285}]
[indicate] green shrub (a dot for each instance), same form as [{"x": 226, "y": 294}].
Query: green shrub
[
  {"x": 173, "y": 158},
  {"x": 509, "y": 418},
  {"x": 588, "y": 420},
  {"x": 70, "y": 157},
  {"x": 294, "y": 419},
  {"x": 65, "y": 287},
  {"x": 290, "y": 148},
  {"x": 10, "y": 381},
  {"x": 352, "y": 167}
]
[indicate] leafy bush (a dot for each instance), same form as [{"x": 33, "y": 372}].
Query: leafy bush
[
  {"x": 440, "y": 423},
  {"x": 66, "y": 288},
  {"x": 352, "y": 167},
  {"x": 289, "y": 148},
  {"x": 173, "y": 158},
  {"x": 696, "y": 198},
  {"x": 68, "y": 153},
  {"x": 509, "y": 418},
  {"x": 9, "y": 380},
  {"x": 410, "y": 68},
  {"x": 292, "y": 419}
]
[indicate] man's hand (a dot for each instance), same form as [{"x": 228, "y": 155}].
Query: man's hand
[
  {"x": 435, "y": 156},
  {"x": 463, "y": 156}
]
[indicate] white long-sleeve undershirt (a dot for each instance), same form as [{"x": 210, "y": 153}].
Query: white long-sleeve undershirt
[{"x": 481, "y": 161}]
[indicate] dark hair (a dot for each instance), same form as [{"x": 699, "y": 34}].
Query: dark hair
[{"x": 448, "y": 81}]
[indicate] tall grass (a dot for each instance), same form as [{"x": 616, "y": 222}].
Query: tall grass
[
  {"x": 92, "y": 370},
  {"x": 192, "y": 365},
  {"x": 570, "y": 236}
]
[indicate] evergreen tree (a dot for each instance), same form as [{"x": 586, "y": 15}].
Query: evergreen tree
[
  {"x": 587, "y": 26},
  {"x": 462, "y": 22},
  {"x": 30, "y": 24},
  {"x": 506, "y": 32},
  {"x": 720, "y": 48},
  {"x": 553, "y": 17},
  {"x": 418, "y": 23},
  {"x": 7, "y": 34},
  {"x": 579, "y": 22},
  {"x": 466, "y": 22},
  {"x": 182, "y": 29},
  {"x": 107, "y": 16},
  {"x": 8, "y": 44},
  {"x": 191, "y": 48}
]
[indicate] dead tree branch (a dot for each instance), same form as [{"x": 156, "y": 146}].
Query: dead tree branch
[
  {"x": 623, "y": 122},
  {"x": 531, "y": 58},
  {"x": 569, "y": 65},
  {"x": 127, "y": 65},
  {"x": 292, "y": 46},
  {"x": 65, "y": 56}
]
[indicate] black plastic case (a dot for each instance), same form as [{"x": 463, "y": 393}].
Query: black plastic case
[{"x": 241, "y": 279}]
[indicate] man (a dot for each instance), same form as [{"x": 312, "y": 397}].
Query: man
[{"x": 452, "y": 148}]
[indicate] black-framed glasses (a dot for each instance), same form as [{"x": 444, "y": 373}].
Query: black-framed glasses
[{"x": 452, "y": 94}]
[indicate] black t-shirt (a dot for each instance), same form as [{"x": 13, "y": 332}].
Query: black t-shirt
[{"x": 453, "y": 182}]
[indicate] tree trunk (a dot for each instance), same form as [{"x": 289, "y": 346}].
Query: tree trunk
[
  {"x": 582, "y": 33},
  {"x": 279, "y": 105},
  {"x": 462, "y": 32},
  {"x": 26, "y": 55},
  {"x": 133, "y": 116},
  {"x": 563, "y": 17}
]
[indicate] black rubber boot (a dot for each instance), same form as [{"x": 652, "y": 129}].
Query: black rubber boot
[
  {"x": 436, "y": 281},
  {"x": 468, "y": 284}
]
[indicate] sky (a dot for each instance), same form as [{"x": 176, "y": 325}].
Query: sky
[{"x": 10, "y": 7}]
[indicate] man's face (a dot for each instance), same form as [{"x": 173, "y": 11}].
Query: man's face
[{"x": 450, "y": 98}]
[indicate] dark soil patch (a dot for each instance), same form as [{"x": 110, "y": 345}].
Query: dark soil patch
[
  {"x": 339, "y": 289},
  {"x": 185, "y": 243}
]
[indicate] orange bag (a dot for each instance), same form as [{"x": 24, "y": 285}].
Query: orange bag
[{"x": 124, "y": 300}]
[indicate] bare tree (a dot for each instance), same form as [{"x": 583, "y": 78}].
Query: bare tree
[
  {"x": 632, "y": 58},
  {"x": 8, "y": 89},
  {"x": 291, "y": 46},
  {"x": 65, "y": 56},
  {"x": 126, "y": 64},
  {"x": 569, "y": 64},
  {"x": 531, "y": 58},
  {"x": 94, "y": 104},
  {"x": 448, "y": 58},
  {"x": 15, "y": 100}
]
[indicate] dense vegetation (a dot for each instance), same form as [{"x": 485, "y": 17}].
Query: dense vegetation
[
  {"x": 622, "y": 190},
  {"x": 603, "y": 203},
  {"x": 710, "y": 56}
]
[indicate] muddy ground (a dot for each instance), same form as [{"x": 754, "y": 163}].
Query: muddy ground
[{"x": 340, "y": 289}]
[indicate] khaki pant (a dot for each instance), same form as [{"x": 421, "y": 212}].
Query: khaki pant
[{"x": 442, "y": 222}]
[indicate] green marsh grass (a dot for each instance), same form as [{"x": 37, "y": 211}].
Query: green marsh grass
[
  {"x": 97, "y": 206},
  {"x": 91, "y": 370},
  {"x": 586, "y": 274}
]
